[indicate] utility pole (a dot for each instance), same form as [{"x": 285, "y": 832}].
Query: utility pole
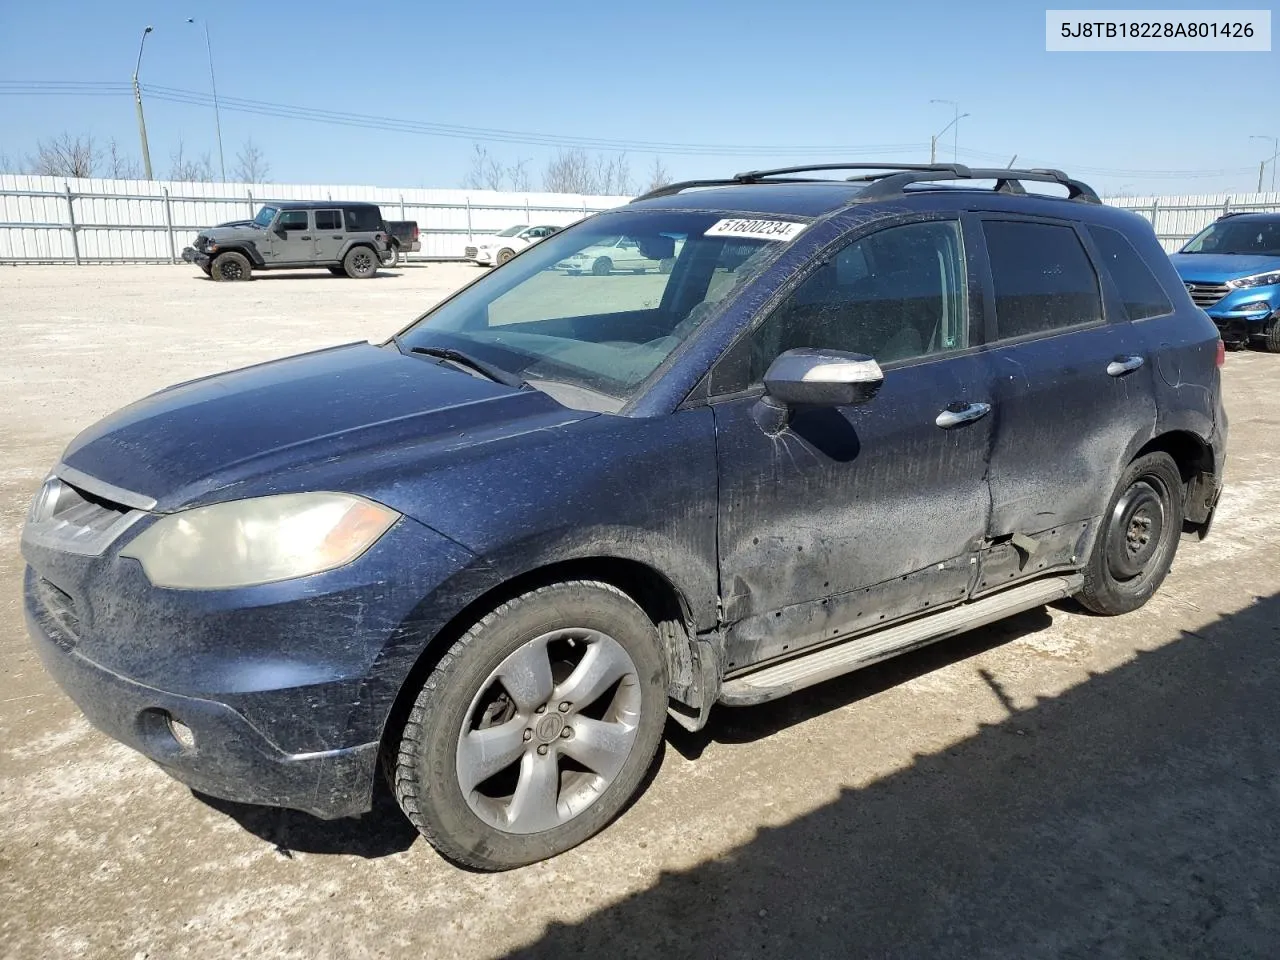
[
  {"x": 1262, "y": 165},
  {"x": 137, "y": 99},
  {"x": 1275, "y": 152},
  {"x": 933, "y": 141},
  {"x": 213, "y": 83}
]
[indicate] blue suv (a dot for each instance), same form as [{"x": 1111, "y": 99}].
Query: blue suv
[
  {"x": 1232, "y": 271},
  {"x": 493, "y": 554}
]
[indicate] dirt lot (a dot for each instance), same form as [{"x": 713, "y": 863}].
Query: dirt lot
[{"x": 1058, "y": 785}]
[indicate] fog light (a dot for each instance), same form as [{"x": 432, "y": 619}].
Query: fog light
[{"x": 182, "y": 733}]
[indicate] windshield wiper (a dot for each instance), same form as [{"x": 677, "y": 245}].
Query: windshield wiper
[{"x": 496, "y": 374}]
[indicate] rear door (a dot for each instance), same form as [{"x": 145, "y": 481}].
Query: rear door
[
  {"x": 1072, "y": 388},
  {"x": 331, "y": 235}
]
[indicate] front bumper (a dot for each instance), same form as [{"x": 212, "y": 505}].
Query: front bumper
[
  {"x": 192, "y": 255},
  {"x": 225, "y": 755},
  {"x": 285, "y": 687},
  {"x": 1244, "y": 314}
]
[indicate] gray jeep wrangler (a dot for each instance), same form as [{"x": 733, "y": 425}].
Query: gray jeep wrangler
[{"x": 346, "y": 237}]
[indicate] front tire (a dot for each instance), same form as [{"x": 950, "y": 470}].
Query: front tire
[
  {"x": 504, "y": 255},
  {"x": 230, "y": 267},
  {"x": 602, "y": 267},
  {"x": 1271, "y": 335},
  {"x": 360, "y": 263},
  {"x": 536, "y": 727},
  {"x": 1135, "y": 547}
]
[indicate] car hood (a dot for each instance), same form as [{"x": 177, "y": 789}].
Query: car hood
[
  {"x": 264, "y": 425},
  {"x": 227, "y": 231},
  {"x": 1219, "y": 267}
]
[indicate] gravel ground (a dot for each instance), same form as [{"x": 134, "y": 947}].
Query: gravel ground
[{"x": 1057, "y": 785}]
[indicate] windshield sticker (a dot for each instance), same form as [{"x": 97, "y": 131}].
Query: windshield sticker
[{"x": 757, "y": 229}]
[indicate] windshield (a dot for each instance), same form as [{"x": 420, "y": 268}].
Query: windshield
[
  {"x": 602, "y": 326},
  {"x": 1260, "y": 237},
  {"x": 511, "y": 231},
  {"x": 264, "y": 217}
]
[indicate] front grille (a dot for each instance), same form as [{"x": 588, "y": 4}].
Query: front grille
[
  {"x": 470, "y": 253},
  {"x": 1207, "y": 294},
  {"x": 66, "y": 516}
]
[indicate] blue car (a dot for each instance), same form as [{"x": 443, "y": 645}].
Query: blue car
[
  {"x": 1232, "y": 271},
  {"x": 491, "y": 556}
]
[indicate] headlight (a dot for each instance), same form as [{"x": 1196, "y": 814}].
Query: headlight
[
  {"x": 261, "y": 540},
  {"x": 1268, "y": 279}
]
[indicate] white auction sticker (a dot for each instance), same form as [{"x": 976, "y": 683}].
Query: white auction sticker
[
  {"x": 757, "y": 229},
  {"x": 1240, "y": 31}
]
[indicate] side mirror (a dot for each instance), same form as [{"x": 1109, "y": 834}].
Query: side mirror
[
  {"x": 656, "y": 248},
  {"x": 807, "y": 377}
]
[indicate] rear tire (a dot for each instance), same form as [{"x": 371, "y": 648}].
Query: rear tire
[
  {"x": 535, "y": 729},
  {"x": 1271, "y": 335},
  {"x": 1138, "y": 538},
  {"x": 360, "y": 263},
  {"x": 230, "y": 267}
]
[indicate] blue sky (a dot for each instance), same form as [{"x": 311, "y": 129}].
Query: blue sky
[{"x": 740, "y": 74}]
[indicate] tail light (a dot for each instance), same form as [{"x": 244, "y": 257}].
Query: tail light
[
  {"x": 415, "y": 231},
  {"x": 1221, "y": 358}
]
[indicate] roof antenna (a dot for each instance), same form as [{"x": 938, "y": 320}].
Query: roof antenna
[{"x": 1010, "y": 165}]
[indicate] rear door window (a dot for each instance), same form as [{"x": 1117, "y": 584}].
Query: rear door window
[
  {"x": 1139, "y": 290},
  {"x": 328, "y": 220},
  {"x": 1043, "y": 278}
]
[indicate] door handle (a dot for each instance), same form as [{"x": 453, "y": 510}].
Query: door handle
[
  {"x": 960, "y": 412},
  {"x": 337, "y": 236},
  {"x": 1122, "y": 365},
  {"x": 304, "y": 237}
]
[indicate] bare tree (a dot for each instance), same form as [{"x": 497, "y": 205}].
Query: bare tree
[
  {"x": 658, "y": 175},
  {"x": 121, "y": 166},
  {"x": 251, "y": 164},
  {"x": 194, "y": 170},
  {"x": 65, "y": 156},
  {"x": 7, "y": 165},
  {"x": 575, "y": 171},
  {"x": 489, "y": 173}
]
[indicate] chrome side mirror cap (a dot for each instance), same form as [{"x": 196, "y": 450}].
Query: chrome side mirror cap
[{"x": 808, "y": 377}]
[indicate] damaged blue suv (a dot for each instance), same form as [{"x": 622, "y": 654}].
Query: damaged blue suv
[
  {"x": 1232, "y": 271},
  {"x": 492, "y": 555}
]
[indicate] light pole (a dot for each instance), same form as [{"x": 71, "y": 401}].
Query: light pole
[
  {"x": 137, "y": 99},
  {"x": 1275, "y": 152},
  {"x": 955, "y": 122},
  {"x": 217, "y": 118}
]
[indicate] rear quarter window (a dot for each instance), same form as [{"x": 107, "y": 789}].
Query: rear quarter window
[
  {"x": 363, "y": 219},
  {"x": 1139, "y": 289},
  {"x": 1043, "y": 278}
]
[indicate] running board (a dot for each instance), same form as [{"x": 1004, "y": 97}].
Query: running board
[{"x": 780, "y": 679}]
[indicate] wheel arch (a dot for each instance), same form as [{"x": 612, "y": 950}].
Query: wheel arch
[
  {"x": 1195, "y": 459},
  {"x": 248, "y": 250},
  {"x": 660, "y": 599}
]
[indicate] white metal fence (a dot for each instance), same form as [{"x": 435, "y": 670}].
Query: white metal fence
[
  {"x": 68, "y": 220},
  {"x": 60, "y": 220},
  {"x": 1177, "y": 219}
]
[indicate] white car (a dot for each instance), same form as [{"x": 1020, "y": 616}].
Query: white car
[
  {"x": 615, "y": 254},
  {"x": 501, "y": 247}
]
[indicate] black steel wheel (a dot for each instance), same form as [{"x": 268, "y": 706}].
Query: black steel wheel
[{"x": 1136, "y": 545}]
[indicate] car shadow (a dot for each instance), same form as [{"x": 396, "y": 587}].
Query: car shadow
[
  {"x": 274, "y": 275},
  {"x": 1132, "y": 815}
]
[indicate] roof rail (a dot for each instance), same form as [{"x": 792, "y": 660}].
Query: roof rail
[{"x": 893, "y": 178}]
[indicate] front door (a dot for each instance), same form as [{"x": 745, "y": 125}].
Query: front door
[
  {"x": 1071, "y": 392},
  {"x": 293, "y": 241},
  {"x": 331, "y": 235},
  {"x": 851, "y": 517}
]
